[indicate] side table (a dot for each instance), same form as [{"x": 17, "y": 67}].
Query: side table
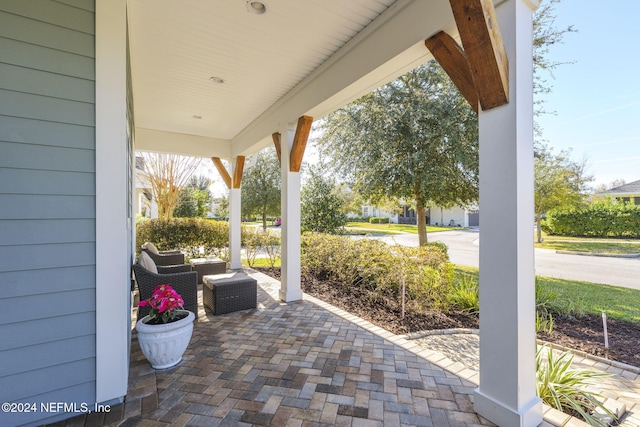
[
  {"x": 226, "y": 293},
  {"x": 204, "y": 266}
]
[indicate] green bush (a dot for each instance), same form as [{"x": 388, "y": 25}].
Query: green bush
[
  {"x": 378, "y": 220},
  {"x": 376, "y": 267},
  {"x": 599, "y": 219},
  {"x": 186, "y": 234},
  {"x": 565, "y": 389},
  {"x": 257, "y": 240}
]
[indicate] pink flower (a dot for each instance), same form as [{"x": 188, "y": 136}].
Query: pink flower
[{"x": 163, "y": 302}]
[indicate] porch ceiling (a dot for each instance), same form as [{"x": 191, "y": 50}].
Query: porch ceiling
[{"x": 302, "y": 57}]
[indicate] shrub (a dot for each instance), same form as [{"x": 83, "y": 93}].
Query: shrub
[
  {"x": 375, "y": 266},
  {"x": 258, "y": 240},
  {"x": 187, "y": 234},
  {"x": 378, "y": 220},
  {"x": 600, "y": 219},
  {"x": 565, "y": 389},
  {"x": 464, "y": 294}
]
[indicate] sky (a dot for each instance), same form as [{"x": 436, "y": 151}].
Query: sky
[{"x": 597, "y": 97}]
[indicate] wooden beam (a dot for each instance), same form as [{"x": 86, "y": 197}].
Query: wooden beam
[
  {"x": 276, "y": 142},
  {"x": 453, "y": 60},
  {"x": 300, "y": 143},
  {"x": 482, "y": 42},
  {"x": 222, "y": 171},
  {"x": 237, "y": 172}
]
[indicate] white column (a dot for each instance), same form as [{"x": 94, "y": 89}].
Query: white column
[
  {"x": 112, "y": 230},
  {"x": 507, "y": 392},
  {"x": 235, "y": 222},
  {"x": 290, "y": 206}
]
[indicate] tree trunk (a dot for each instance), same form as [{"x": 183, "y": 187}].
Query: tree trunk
[
  {"x": 264, "y": 221},
  {"x": 538, "y": 229},
  {"x": 421, "y": 219}
]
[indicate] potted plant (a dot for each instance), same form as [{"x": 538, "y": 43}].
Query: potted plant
[{"x": 164, "y": 334}]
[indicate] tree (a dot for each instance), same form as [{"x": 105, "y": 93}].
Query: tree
[
  {"x": 261, "y": 187},
  {"x": 195, "y": 199},
  {"x": 414, "y": 138},
  {"x": 167, "y": 174},
  {"x": 559, "y": 183},
  {"x": 321, "y": 205}
]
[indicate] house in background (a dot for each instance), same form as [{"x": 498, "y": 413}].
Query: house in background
[
  {"x": 629, "y": 193},
  {"x": 86, "y": 83},
  {"x": 455, "y": 216},
  {"x": 143, "y": 203}
]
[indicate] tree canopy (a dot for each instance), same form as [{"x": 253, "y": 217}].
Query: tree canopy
[
  {"x": 167, "y": 174},
  {"x": 559, "y": 183},
  {"x": 322, "y": 205},
  {"x": 414, "y": 138},
  {"x": 261, "y": 187}
]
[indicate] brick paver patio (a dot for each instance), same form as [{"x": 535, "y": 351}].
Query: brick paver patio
[
  {"x": 294, "y": 364},
  {"x": 299, "y": 364}
]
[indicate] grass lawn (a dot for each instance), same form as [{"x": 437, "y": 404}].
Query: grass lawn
[
  {"x": 586, "y": 244},
  {"x": 392, "y": 228},
  {"x": 592, "y": 298},
  {"x": 261, "y": 262}
]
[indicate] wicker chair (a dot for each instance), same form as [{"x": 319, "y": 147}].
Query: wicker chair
[
  {"x": 179, "y": 277},
  {"x": 163, "y": 257}
]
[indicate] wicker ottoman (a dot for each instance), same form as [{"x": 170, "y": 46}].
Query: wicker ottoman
[
  {"x": 205, "y": 266},
  {"x": 224, "y": 293}
]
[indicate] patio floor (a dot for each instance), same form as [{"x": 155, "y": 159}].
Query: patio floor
[{"x": 297, "y": 364}]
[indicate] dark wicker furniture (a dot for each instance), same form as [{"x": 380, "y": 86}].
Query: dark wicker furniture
[
  {"x": 225, "y": 293},
  {"x": 163, "y": 257},
  {"x": 179, "y": 277},
  {"x": 206, "y": 266}
]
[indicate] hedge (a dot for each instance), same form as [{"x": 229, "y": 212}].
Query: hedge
[
  {"x": 378, "y": 267},
  {"x": 186, "y": 234},
  {"x": 378, "y": 220},
  {"x": 597, "y": 220}
]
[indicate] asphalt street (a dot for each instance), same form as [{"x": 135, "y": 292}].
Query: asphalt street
[{"x": 464, "y": 246}]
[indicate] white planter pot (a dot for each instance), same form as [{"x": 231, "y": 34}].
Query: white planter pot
[{"x": 163, "y": 345}]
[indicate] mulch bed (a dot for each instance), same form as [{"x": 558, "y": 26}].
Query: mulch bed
[{"x": 584, "y": 333}]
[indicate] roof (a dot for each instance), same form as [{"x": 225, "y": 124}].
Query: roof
[{"x": 626, "y": 189}]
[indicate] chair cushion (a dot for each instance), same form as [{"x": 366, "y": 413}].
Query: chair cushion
[
  {"x": 151, "y": 248},
  {"x": 147, "y": 263}
]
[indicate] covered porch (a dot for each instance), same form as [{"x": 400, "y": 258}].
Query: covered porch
[{"x": 212, "y": 81}]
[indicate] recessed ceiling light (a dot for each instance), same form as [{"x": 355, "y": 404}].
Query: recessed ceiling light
[
  {"x": 257, "y": 7},
  {"x": 218, "y": 80},
  {"x": 195, "y": 116}
]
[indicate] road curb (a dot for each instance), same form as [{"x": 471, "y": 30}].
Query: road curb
[{"x": 599, "y": 254}]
